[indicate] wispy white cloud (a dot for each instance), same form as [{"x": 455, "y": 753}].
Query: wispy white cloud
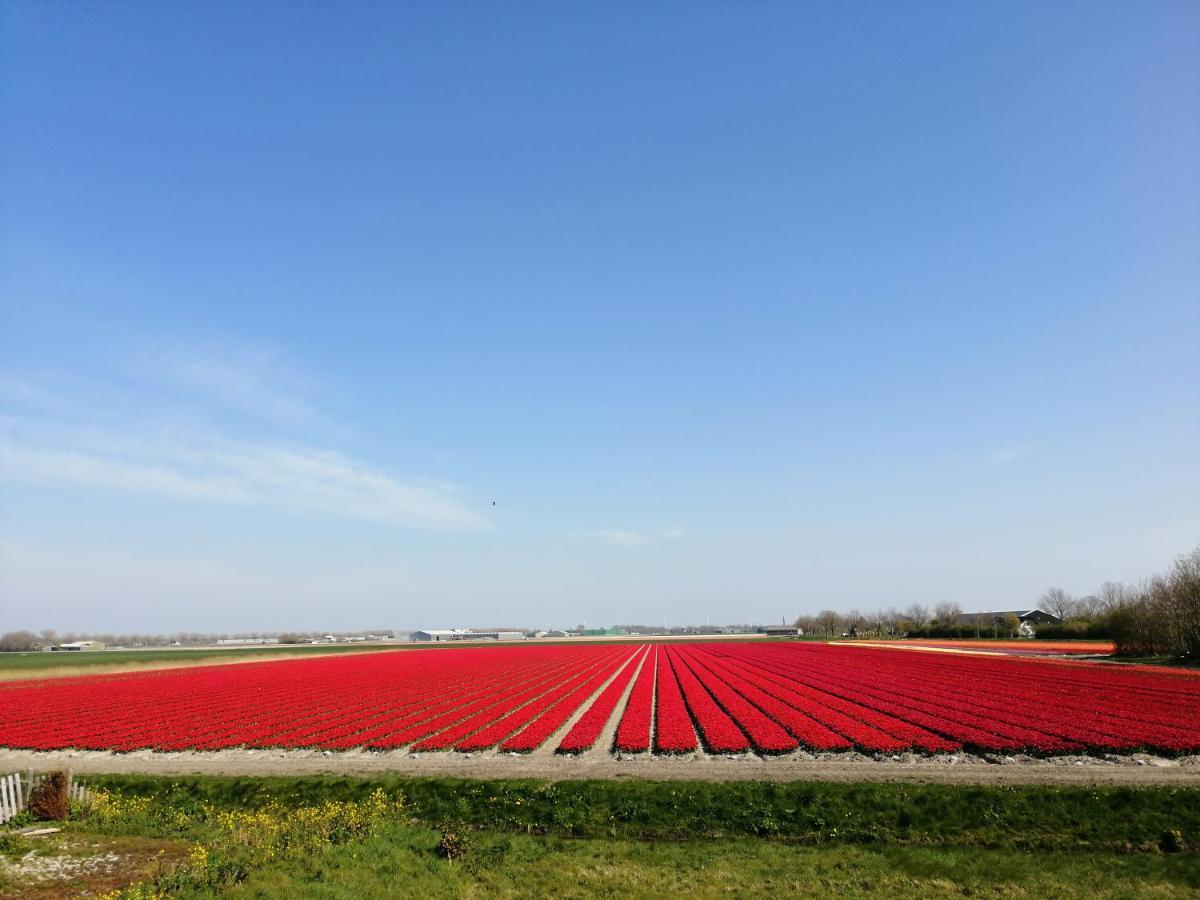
[
  {"x": 216, "y": 470},
  {"x": 125, "y": 433},
  {"x": 253, "y": 378},
  {"x": 59, "y": 397},
  {"x": 1004, "y": 455},
  {"x": 626, "y": 538},
  {"x": 44, "y": 464}
]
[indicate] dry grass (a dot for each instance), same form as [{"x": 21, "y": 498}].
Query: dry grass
[{"x": 140, "y": 666}]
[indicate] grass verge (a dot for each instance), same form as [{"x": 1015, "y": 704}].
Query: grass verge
[
  {"x": 333, "y": 837},
  {"x": 505, "y": 865},
  {"x": 1025, "y": 817},
  {"x": 35, "y": 663}
]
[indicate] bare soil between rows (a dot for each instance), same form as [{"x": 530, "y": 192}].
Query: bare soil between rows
[{"x": 959, "y": 768}]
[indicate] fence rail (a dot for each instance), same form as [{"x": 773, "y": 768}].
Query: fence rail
[{"x": 16, "y": 789}]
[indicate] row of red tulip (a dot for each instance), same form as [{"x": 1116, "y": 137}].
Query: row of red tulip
[
  {"x": 726, "y": 697},
  {"x": 583, "y": 733},
  {"x": 633, "y": 731}
]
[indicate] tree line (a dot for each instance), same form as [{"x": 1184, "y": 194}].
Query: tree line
[
  {"x": 1158, "y": 617},
  {"x": 918, "y": 620}
]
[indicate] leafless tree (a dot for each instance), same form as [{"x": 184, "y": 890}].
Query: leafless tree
[
  {"x": 1162, "y": 616},
  {"x": 889, "y": 620},
  {"x": 854, "y": 621},
  {"x": 1181, "y": 605},
  {"x": 873, "y": 622},
  {"x": 17, "y": 641},
  {"x": 917, "y": 615},
  {"x": 1058, "y": 603},
  {"x": 829, "y": 622},
  {"x": 947, "y": 613},
  {"x": 1113, "y": 595}
]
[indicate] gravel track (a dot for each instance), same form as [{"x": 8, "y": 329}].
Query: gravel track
[{"x": 959, "y": 768}]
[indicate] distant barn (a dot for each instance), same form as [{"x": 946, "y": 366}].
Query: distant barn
[
  {"x": 461, "y": 634},
  {"x": 1031, "y": 616},
  {"x": 80, "y": 645}
]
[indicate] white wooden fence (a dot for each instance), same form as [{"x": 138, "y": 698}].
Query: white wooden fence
[{"x": 15, "y": 790}]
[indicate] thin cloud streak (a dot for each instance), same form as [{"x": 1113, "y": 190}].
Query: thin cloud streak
[
  {"x": 626, "y": 538},
  {"x": 253, "y": 378},
  {"x": 1004, "y": 455},
  {"x": 106, "y": 436},
  {"x": 220, "y": 471}
]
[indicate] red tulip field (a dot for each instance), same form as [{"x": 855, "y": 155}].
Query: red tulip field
[{"x": 737, "y": 697}]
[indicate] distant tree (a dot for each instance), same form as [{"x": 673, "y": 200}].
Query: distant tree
[
  {"x": 889, "y": 620},
  {"x": 18, "y": 641},
  {"x": 1089, "y": 606},
  {"x": 873, "y": 622},
  {"x": 1058, "y": 603},
  {"x": 947, "y": 613},
  {"x": 829, "y": 622},
  {"x": 49, "y": 636},
  {"x": 1010, "y": 623},
  {"x": 1181, "y": 605},
  {"x": 808, "y": 624},
  {"x": 917, "y": 615},
  {"x": 1113, "y": 595},
  {"x": 855, "y": 622}
]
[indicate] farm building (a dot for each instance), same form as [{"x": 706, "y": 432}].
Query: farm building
[
  {"x": 1024, "y": 616},
  {"x": 440, "y": 634},
  {"x": 783, "y": 631},
  {"x": 461, "y": 634},
  {"x": 80, "y": 645}
]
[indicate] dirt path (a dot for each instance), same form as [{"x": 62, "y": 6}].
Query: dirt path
[
  {"x": 799, "y": 766},
  {"x": 608, "y": 734},
  {"x": 85, "y": 865},
  {"x": 547, "y": 746}
]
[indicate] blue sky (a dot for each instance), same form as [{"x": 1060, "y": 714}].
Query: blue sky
[{"x": 734, "y": 311}]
